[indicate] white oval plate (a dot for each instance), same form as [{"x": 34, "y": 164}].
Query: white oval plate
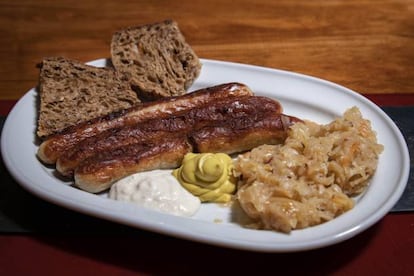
[{"x": 301, "y": 96}]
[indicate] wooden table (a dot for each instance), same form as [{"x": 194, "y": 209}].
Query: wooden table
[{"x": 367, "y": 46}]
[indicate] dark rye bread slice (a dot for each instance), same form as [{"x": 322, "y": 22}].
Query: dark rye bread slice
[
  {"x": 158, "y": 59},
  {"x": 72, "y": 92}
]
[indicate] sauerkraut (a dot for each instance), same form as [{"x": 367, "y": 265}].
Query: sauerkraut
[{"x": 312, "y": 177}]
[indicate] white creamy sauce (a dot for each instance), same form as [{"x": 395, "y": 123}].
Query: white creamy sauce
[{"x": 158, "y": 190}]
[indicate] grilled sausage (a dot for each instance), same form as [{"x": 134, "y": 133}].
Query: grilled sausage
[
  {"x": 242, "y": 134},
  {"x": 97, "y": 173},
  {"x": 217, "y": 113},
  {"x": 52, "y": 148}
]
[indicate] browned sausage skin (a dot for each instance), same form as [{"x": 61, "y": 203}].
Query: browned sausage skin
[
  {"x": 100, "y": 171},
  {"x": 217, "y": 113},
  {"x": 225, "y": 118},
  {"x": 242, "y": 134},
  {"x": 52, "y": 148}
]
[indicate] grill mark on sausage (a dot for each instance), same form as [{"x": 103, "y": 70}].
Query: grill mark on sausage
[
  {"x": 239, "y": 134},
  {"x": 52, "y": 148},
  {"x": 242, "y": 134},
  {"x": 219, "y": 112},
  {"x": 97, "y": 173}
]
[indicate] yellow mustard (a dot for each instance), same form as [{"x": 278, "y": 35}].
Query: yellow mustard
[{"x": 208, "y": 176}]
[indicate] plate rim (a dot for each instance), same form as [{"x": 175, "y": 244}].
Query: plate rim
[{"x": 171, "y": 231}]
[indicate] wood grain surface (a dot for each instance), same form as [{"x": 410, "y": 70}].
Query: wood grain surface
[{"x": 367, "y": 46}]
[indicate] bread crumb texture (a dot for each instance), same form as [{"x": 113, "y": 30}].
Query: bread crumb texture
[
  {"x": 72, "y": 92},
  {"x": 157, "y": 57}
]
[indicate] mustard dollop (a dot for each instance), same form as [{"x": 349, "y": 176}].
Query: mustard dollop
[{"x": 208, "y": 176}]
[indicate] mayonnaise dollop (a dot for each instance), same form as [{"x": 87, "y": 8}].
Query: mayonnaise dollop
[
  {"x": 158, "y": 190},
  {"x": 208, "y": 176}
]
